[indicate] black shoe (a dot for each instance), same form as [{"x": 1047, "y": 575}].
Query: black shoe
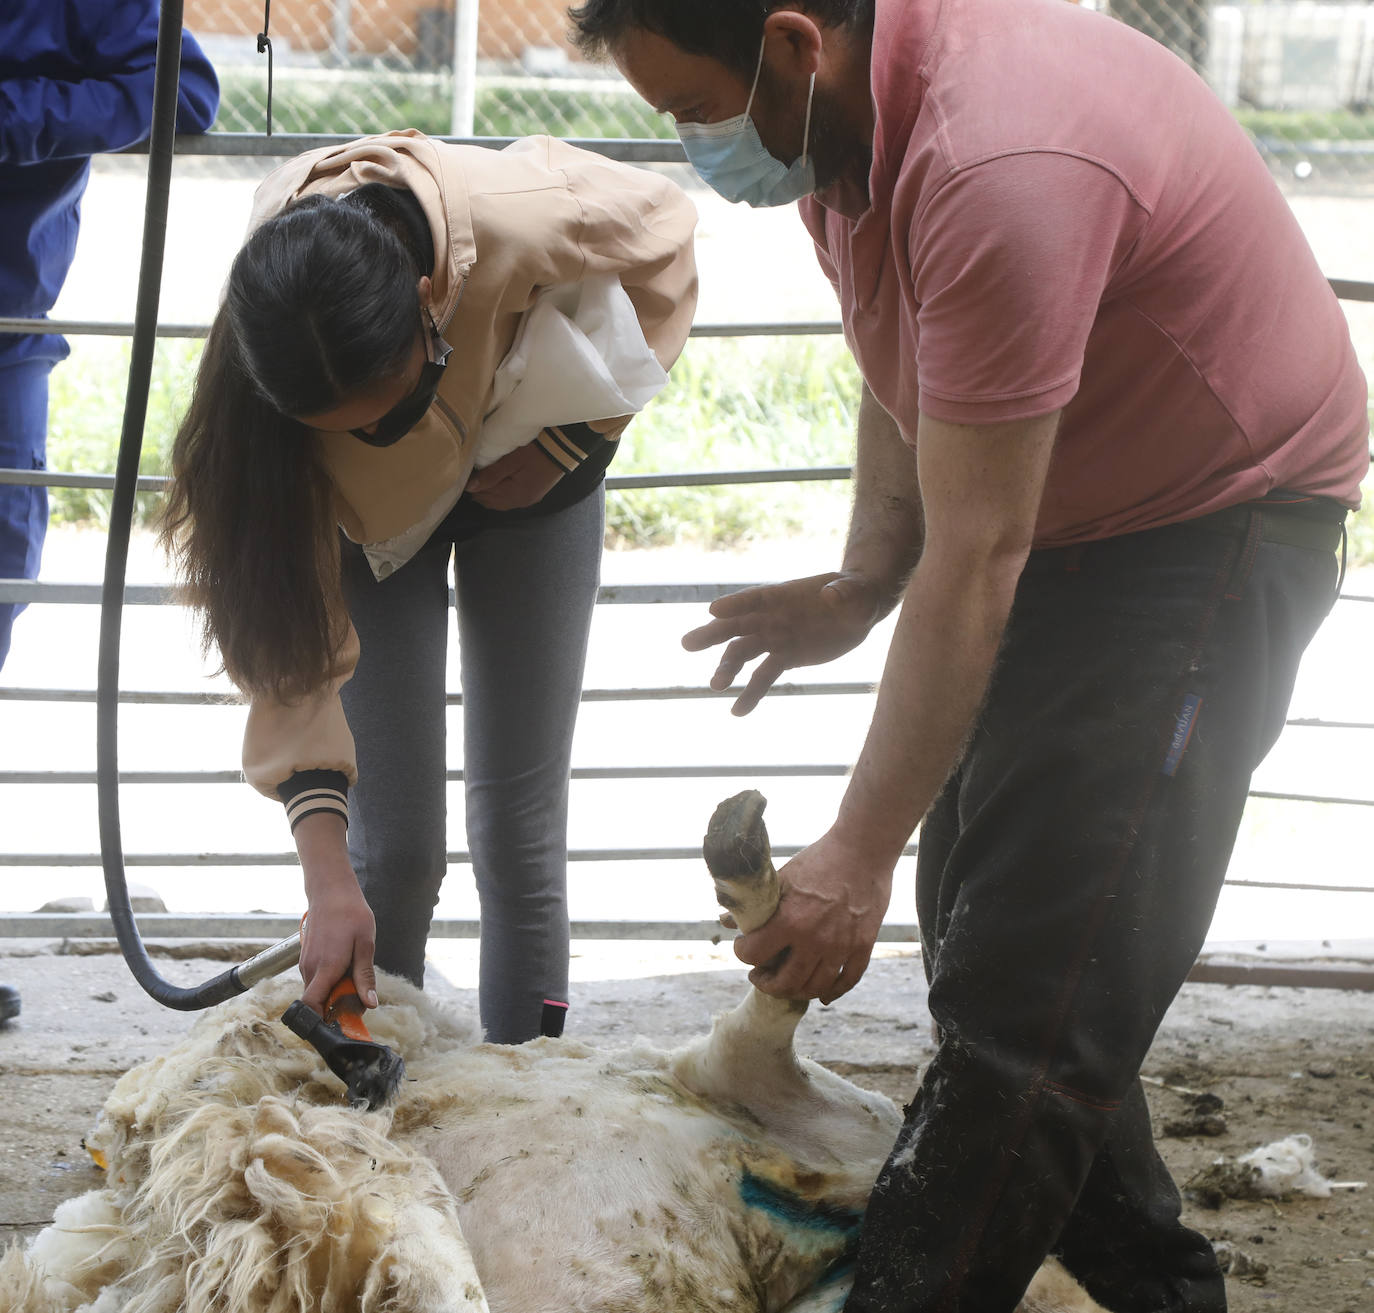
[{"x": 9, "y": 1002}]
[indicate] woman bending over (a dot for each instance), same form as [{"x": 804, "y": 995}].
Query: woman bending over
[{"x": 382, "y": 327}]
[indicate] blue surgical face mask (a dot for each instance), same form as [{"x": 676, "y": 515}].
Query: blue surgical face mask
[{"x": 733, "y": 161}]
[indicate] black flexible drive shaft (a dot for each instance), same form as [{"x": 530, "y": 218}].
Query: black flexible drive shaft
[{"x": 160, "y": 148}]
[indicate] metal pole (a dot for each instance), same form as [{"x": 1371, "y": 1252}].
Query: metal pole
[
  {"x": 341, "y": 33},
  {"x": 464, "y": 67}
]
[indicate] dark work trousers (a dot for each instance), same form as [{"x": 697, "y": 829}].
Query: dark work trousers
[
  {"x": 1066, "y": 878},
  {"x": 23, "y": 511},
  {"x": 525, "y": 595}
]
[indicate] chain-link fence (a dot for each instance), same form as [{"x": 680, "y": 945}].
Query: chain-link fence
[
  {"x": 461, "y": 68},
  {"x": 1299, "y": 74}
]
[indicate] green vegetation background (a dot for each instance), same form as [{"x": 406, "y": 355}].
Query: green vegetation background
[{"x": 731, "y": 404}]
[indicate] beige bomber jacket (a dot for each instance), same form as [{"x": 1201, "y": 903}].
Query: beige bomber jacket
[{"x": 505, "y": 225}]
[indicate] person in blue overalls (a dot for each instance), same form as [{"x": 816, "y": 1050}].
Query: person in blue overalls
[{"x": 76, "y": 79}]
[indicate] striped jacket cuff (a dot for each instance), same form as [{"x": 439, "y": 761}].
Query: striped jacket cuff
[
  {"x": 311, "y": 791},
  {"x": 568, "y": 445}
]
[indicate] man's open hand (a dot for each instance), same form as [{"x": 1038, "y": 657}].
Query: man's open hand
[{"x": 803, "y": 622}]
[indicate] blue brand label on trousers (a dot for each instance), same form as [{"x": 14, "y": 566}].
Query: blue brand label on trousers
[{"x": 1183, "y": 731}]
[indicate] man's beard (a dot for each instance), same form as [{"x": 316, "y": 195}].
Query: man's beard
[{"x": 836, "y": 151}]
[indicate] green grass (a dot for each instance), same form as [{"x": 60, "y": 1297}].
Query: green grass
[
  {"x": 343, "y": 104},
  {"x": 1308, "y": 125},
  {"x": 740, "y": 404},
  {"x": 85, "y": 414}
]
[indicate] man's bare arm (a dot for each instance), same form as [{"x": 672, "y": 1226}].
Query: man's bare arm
[
  {"x": 886, "y": 523},
  {"x": 981, "y": 488}
]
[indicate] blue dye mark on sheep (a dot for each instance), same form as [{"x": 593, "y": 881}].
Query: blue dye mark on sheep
[{"x": 793, "y": 1210}]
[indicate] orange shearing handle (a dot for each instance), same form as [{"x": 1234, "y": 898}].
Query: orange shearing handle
[{"x": 344, "y": 1008}]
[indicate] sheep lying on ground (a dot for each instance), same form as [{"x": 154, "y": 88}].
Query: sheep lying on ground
[{"x": 729, "y": 1175}]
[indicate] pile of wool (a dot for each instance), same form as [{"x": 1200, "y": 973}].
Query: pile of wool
[{"x": 1273, "y": 1171}]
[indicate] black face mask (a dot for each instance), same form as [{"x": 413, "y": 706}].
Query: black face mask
[{"x": 408, "y": 412}]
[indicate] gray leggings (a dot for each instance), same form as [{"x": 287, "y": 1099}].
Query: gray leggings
[{"x": 525, "y": 595}]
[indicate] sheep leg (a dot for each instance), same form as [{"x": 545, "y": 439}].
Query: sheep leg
[
  {"x": 740, "y": 859},
  {"x": 759, "y": 1031},
  {"x": 749, "y": 1060}
]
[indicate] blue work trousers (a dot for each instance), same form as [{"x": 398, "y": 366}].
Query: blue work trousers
[
  {"x": 23, "y": 510},
  {"x": 1066, "y": 879}
]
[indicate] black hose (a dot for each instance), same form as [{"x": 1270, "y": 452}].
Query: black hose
[{"x": 160, "y": 148}]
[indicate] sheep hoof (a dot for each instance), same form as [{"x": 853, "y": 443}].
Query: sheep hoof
[
  {"x": 736, "y": 843},
  {"x": 740, "y": 860}
]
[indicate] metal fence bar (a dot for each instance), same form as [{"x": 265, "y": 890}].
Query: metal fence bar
[
  {"x": 1316, "y": 722},
  {"x": 808, "y": 770},
  {"x": 1221, "y": 967},
  {"x": 1294, "y": 976},
  {"x": 455, "y": 857},
  {"x": 156, "y": 697},
  {"x": 1346, "y": 289},
  {"x": 22, "y": 590},
  {"x": 813, "y": 770},
  {"x": 725, "y": 478},
  {"x": 1310, "y": 797},
  {"x": 272, "y": 926},
  {"x": 460, "y": 857},
  {"x": 838, "y": 688},
  {"x": 58, "y": 479},
  {"x": 614, "y": 482},
  {"x": 268, "y": 926},
  {"x": 587, "y": 854},
  {"x": 136, "y": 777},
  {"x": 61, "y": 594},
  {"x": 631, "y": 150},
  {"x": 120, "y": 328},
  {"x": 94, "y": 328}
]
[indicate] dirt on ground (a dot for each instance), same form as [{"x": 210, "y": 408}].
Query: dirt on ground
[
  {"x": 1233, "y": 1068},
  {"x": 1222, "y": 1091}
]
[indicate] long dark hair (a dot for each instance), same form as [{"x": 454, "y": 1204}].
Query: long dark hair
[{"x": 320, "y": 305}]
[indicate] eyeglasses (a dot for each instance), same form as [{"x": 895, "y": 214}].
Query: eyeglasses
[{"x": 408, "y": 412}]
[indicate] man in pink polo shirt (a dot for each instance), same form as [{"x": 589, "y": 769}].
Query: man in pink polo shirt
[{"x": 1110, "y": 428}]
